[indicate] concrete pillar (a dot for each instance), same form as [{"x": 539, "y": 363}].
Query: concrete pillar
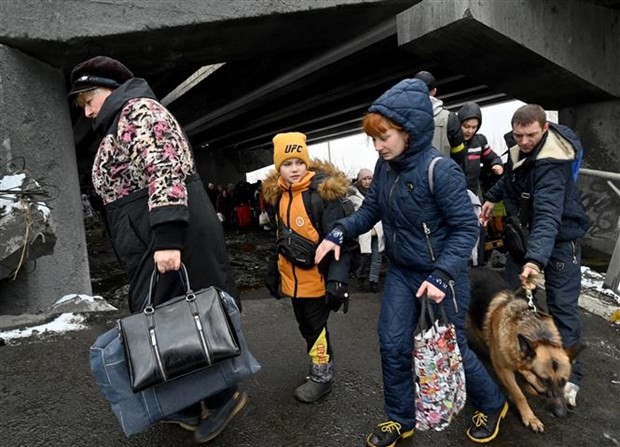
[
  {"x": 597, "y": 127},
  {"x": 35, "y": 124}
]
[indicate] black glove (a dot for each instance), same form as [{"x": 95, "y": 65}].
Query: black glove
[
  {"x": 272, "y": 278},
  {"x": 455, "y": 134},
  {"x": 337, "y": 296}
]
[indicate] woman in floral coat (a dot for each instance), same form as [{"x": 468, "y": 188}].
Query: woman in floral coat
[{"x": 155, "y": 205}]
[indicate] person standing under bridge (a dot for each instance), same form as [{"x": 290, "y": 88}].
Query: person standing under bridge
[
  {"x": 539, "y": 189},
  {"x": 156, "y": 208},
  {"x": 440, "y": 114},
  {"x": 429, "y": 235},
  {"x": 472, "y": 152}
]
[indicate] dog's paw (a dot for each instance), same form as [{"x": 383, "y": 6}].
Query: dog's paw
[{"x": 534, "y": 423}]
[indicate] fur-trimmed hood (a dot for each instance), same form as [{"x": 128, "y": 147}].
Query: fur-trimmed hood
[{"x": 329, "y": 181}]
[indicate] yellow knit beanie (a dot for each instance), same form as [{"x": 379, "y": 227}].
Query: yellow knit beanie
[{"x": 290, "y": 145}]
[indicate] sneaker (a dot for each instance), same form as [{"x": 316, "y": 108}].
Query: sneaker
[
  {"x": 311, "y": 391},
  {"x": 570, "y": 394},
  {"x": 388, "y": 434},
  {"x": 485, "y": 426},
  {"x": 217, "y": 419},
  {"x": 189, "y": 423}
]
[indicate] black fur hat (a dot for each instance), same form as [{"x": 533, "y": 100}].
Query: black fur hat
[{"x": 99, "y": 71}]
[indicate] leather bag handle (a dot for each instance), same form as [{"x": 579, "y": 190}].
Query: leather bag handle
[{"x": 183, "y": 276}]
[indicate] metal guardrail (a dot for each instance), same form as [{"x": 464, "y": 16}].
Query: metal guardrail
[
  {"x": 612, "y": 278},
  {"x": 601, "y": 174}
]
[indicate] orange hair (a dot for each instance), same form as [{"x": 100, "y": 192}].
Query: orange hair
[{"x": 375, "y": 124}]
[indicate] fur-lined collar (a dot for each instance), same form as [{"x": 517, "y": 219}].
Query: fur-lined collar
[{"x": 332, "y": 182}]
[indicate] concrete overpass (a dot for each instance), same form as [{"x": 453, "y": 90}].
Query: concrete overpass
[{"x": 312, "y": 66}]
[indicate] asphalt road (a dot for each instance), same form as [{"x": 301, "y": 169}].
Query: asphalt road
[{"x": 48, "y": 397}]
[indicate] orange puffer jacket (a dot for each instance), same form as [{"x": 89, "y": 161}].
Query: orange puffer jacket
[{"x": 292, "y": 212}]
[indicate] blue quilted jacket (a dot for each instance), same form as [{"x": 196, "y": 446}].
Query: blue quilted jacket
[{"x": 427, "y": 232}]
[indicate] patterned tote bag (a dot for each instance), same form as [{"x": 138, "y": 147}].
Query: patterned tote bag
[{"x": 440, "y": 377}]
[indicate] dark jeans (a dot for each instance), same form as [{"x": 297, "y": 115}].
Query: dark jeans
[
  {"x": 562, "y": 287},
  {"x": 397, "y": 320}
]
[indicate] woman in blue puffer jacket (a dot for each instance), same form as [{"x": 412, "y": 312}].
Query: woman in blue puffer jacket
[{"x": 429, "y": 232}]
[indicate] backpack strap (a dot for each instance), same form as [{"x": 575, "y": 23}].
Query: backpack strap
[
  {"x": 431, "y": 169},
  {"x": 315, "y": 205}
]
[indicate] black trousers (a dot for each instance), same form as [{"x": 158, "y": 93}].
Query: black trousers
[{"x": 311, "y": 315}]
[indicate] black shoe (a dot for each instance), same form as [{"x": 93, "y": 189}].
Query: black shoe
[
  {"x": 189, "y": 423},
  {"x": 388, "y": 434},
  {"x": 310, "y": 391},
  {"x": 218, "y": 418},
  {"x": 485, "y": 426}
]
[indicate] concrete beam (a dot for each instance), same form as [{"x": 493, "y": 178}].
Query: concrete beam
[
  {"x": 570, "y": 48},
  {"x": 277, "y": 86},
  {"x": 64, "y": 20},
  {"x": 35, "y": 124},
  {"x": 161, "y": 37}
]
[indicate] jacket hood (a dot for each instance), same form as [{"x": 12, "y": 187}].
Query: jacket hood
[
  {"x": 437, "y": 105},
  {"x": 329, "y": 181},
  {"x": 470, "y": 110},
  {"x": 134, "y": 88},
  {"x": 408, "y": 104}
]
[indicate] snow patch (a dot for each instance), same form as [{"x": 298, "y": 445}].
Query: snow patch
[
  {"x": 76, "y": 302},
  {"x": 592, "y": 282},
  {"x": 63, "y": 323}
]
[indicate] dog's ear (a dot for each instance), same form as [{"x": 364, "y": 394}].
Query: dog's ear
[
  {"x": 574, "y": 351},
  {"x": 527, "y": 347}
]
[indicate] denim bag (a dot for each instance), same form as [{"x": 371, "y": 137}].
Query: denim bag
[{"x": 138, "y": 411}]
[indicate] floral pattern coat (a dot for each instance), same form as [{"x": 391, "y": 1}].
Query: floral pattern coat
[{"x": 144, "y": 172}]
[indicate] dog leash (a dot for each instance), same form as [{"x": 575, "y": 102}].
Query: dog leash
[
  {"x": 530, "y": 300},
  {"x": 527, "y": 288}
]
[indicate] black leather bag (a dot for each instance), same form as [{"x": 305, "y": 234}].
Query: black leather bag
[
  {"x": 178, "y": 337},
  {"x": 515, "y": 237}
]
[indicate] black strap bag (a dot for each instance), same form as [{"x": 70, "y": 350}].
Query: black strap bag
[
  {"x": 178, "y": 337},
  {"x": 516, "y": 229},
  {"x": 515, "y": 237},
  {"x": 294, "y": 247}
]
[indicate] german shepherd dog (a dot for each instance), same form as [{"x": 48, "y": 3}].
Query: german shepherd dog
[{"x": 522, "y": 340}]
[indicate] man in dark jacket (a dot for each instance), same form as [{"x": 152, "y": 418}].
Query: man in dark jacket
[{"x": 539, "y": 189}]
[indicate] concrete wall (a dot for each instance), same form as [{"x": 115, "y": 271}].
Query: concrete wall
[
  {"x": 35, "y": 124},
  {"x": 598, "y": 126}
]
